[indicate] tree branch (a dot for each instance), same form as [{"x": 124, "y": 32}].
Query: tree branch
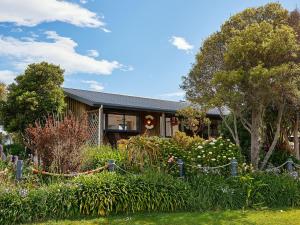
[{"x": 277, "y": 133}]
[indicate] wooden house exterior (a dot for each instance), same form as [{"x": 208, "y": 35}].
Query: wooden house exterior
[{"x": 112, "y": 117}]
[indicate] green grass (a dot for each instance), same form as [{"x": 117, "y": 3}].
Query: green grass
[{"x": 267, "y": 217}]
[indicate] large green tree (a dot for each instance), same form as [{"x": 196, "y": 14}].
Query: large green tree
[
  {"x": 249, "y": 65},
  {"x": 35, "y": 94}
]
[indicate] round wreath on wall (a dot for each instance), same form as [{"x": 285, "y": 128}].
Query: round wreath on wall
[{"x": 149, "y": 122}]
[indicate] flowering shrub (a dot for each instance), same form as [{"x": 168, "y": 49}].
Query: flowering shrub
[
  {"x": 214, "y": 152},
  {"x": 194, "y": 151},
  {"x": 202, "y": 153}
]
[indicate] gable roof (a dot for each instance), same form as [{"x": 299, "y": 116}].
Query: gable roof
[{"x": 96, "y": 99}]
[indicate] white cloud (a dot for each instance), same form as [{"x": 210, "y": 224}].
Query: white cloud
[
  {"x": 59, "y": 50},
  {"x": 7, "y": 76},
  {"x": 83, "y": 1},
  {"x": 174, "y": 94},
  {"x": 93, "y": 85},
  {"x": 181, "y": 44},
  {"x": 33, "y": 12},
  {"x": 127, "y": 68},
  {"x": 93, "y": 53}
]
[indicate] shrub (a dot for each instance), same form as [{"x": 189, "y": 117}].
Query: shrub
[
  {"x": 15, "y": 149},
  {"x": 111, "y": 193},
  {"x": 59, "y": 142},
  {"x": 95, "y": 157},
  {"x": 143, "y": 151},
  {"x": 100, "y": 194},
  {"x": 199, "y": 153}
]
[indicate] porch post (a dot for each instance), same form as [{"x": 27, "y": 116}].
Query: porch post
[
  {"x": 100, "y": 126},
  {"x": 163, "y": 125}
]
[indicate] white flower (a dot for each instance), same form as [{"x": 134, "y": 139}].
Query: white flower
[
  {"x": 210, "y": 153},
  {"x": 202, "y": 151},
  {"x": 213, "y": 159},
  {"x": 228, "y": 139},
  {"x": 229, "y": 158},
  {"x": 224, "y": 156},
  {"x": 198, "y": 156},
  {"x": 212, "y": 143},
  {"x": 200, "y": 147}
]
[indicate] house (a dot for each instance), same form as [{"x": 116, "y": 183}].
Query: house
[{"x": 112, "y": 116}]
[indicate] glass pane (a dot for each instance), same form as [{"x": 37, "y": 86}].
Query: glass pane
[
  {"x": 130, "y": 122},
  {"x": 168, "y": 127},
  {"x": 115, "y": 122}
]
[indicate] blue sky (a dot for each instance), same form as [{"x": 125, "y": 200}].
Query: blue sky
[{"x": 132, "y": 47}]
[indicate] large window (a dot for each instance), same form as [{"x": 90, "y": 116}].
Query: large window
[{"x": 122, "y": 122}]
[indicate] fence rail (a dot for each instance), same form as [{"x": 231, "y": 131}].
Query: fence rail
[{"x": 100, "y": 169}]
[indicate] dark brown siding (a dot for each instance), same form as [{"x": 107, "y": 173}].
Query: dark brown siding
[{"x": 76, "y": 107}]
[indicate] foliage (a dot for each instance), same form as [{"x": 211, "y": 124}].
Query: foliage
[
  {"x": 94, "y": 195},
  {"x": 34, "y": 95},
  {"x": 243, "y": 134},
  {"x": 15, "y": 149},
  {"x": 110, "y": 193},
  {"x": 250, "y": 64},
  {"x": 208, "y": 153},
  {"x": 193, "y": 119},
  {"x": 185, "y": 141},
  {"x": 147, "y": 152},
  {"x": 95, "y": 157},
  {"x": 59, "y": 142},
  {"x": 142, "y": 151}
]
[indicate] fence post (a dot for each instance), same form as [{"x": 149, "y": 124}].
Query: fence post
[
  {"x": 289, "y": 165},
  {"x": 111, "y": 165},
  {"x": 180, "y": 165},
  {"x": 2, "y": 154},
  {"x": 19, "y": 170},
  {"x": 234, "y": 167}
]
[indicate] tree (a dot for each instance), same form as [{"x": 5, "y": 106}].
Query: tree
[
  {"x": 252, "y": 65},
  {"x": 3, "y": 92},
  {"x": 193, "y": 119},
  {"x": 33, "y": 96}
]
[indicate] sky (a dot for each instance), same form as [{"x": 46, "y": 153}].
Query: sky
[{"x": 131, "y": 47}]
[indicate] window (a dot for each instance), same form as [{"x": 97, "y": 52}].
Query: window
[
  {"x": 122, "y": 122},
  {"x": 130, "y": 122},
  {"x": 115, "y": 122},
  {"x": 171, "y": 127}
]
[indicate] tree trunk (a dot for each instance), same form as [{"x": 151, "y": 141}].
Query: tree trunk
[
  {"x": 296, "y": 138},
  {"x": 276, "y": 137},
  {"x": 255, "y": 136}
]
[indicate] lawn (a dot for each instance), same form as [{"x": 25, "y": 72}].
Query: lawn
[{"x": 268, "y": 217}]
